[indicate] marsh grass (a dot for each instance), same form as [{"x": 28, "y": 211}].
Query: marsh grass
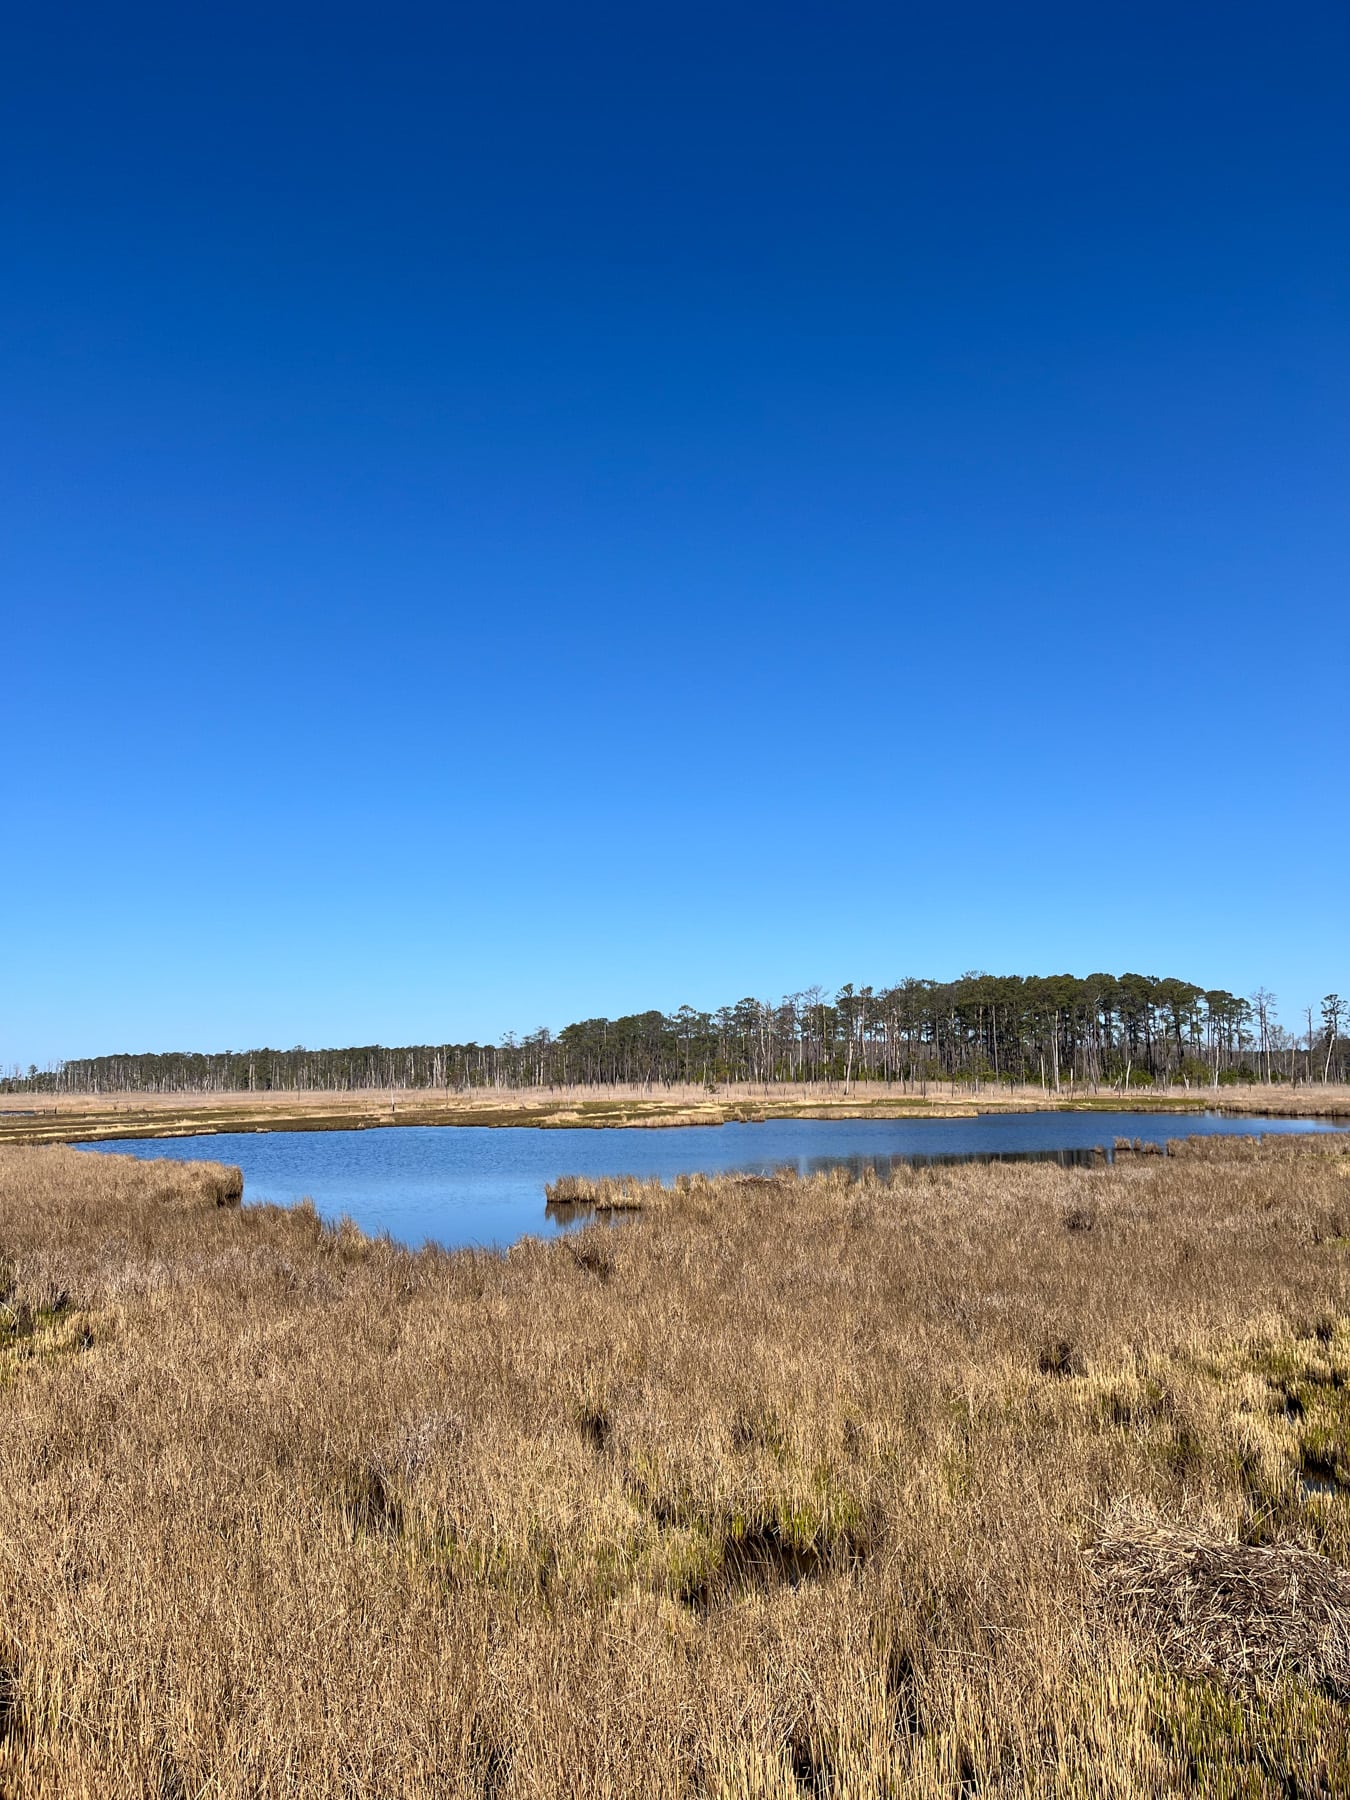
[
  {"x": 602, "y": 1193},
  {"x": 70, "y": 1118},
  {"x": 994, "y": 1480}
]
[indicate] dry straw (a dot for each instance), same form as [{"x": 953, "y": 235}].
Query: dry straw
[
  {"x": 1216, "y": 1609},
  {"x": 994, "y": 1480}
]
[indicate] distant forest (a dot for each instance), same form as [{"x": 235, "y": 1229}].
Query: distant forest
[{"x": 982, "y": 1030}]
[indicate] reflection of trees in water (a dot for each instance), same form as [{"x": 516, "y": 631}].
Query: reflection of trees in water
[{"x": 884, "y": 1166}]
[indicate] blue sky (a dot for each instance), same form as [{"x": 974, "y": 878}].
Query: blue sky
[{"x": 516, "y": 513}]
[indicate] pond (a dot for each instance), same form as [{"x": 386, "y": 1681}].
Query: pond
[{"x": 484, "y": 1185}]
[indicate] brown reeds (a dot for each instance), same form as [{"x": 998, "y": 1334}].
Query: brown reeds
[
  {"x": 604, "y": 1193},
  {"x": 70, "y": 1118},
  {"x": 1219, "y": 1610},
  {"x": 996, "y": 1480}
]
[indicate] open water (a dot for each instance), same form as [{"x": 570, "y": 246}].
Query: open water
[{"x": 484, "y": 1185}]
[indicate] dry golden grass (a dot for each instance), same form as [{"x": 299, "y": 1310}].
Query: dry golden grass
[
  {"x": 69, "y": 1118},
  {"x": 1005, "y": 1480}
]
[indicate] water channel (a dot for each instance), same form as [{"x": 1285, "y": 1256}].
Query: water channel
[{"x": 480, "y": 1185}]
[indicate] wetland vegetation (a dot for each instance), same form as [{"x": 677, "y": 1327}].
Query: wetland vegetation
[
  {"x": 995, "y": 1479},
  {"x": 47, "y": 1118}
]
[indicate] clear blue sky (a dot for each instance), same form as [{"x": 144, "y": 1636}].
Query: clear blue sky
[{"x": 514, "y": 513}]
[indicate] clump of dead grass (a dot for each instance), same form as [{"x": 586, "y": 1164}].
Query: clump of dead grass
[{"x": 1211, "y": 1608}]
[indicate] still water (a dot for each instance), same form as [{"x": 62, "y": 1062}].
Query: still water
[{"x": 484, "y": 1185}]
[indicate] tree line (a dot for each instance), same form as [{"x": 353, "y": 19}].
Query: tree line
[{"x": 984, "y": 1031}]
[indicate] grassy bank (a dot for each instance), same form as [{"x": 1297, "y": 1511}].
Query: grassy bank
[
  {"x": 1003, "y": 1480},
  {"x": 83, "y": 1118}
]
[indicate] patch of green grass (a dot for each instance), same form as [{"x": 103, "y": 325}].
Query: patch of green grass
[
  {"x": 1272, "y": 1745},
  {"x": 40, "y": 1334}
]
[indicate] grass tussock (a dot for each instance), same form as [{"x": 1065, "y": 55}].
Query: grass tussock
[
  {"x": 602, "y": 1193},
  {"x": 995, "y": 1480},
  {"x": 1214, "y": 1610}
]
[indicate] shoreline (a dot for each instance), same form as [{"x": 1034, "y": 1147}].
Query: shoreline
[{"x": 76, "y": 1119}]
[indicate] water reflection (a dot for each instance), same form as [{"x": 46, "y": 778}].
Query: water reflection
[
  {"x": 886, "y": 1167},
  {"x": 478, "y": 1185}
]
